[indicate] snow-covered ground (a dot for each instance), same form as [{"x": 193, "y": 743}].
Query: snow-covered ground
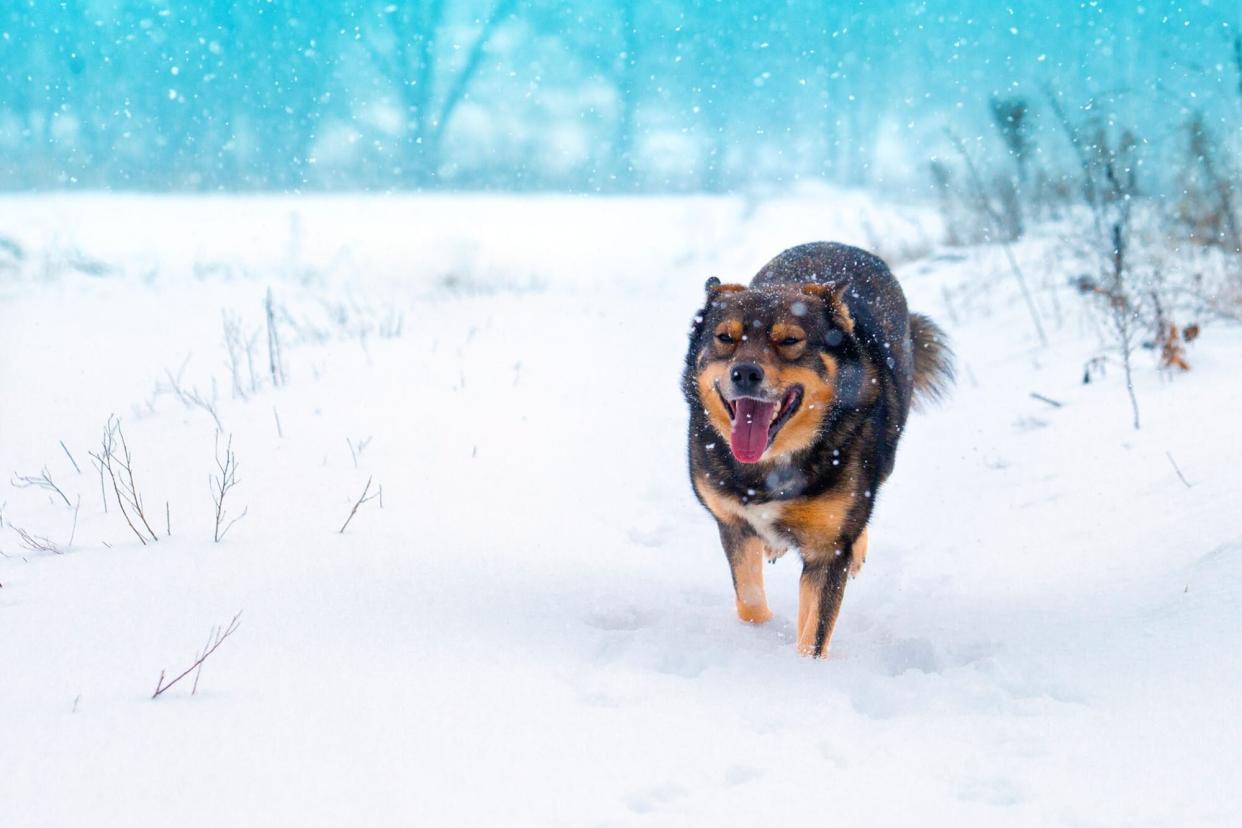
[{"x": 537, "y": 626}]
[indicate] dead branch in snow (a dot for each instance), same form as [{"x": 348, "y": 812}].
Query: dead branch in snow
[
  {"x": 41, "y": 481},
  {"x": 119, "y": 466},
  {"x": 214, "y": 640},
  {"x": 221, "y": 484},
  {"x": 240, "y": 346},
  {"x": 73, "y": 532},
  {"x": 355, "y": 451},
  {"x": 103, "y": 490},
  {"x": 191, "y": 398},
  {"x": 36, "y": 543},
  {"x": 76, "y": 467},
  {"x": 363, "y": 498},
  {"x": 275, "y": 362},
  {"x": 1177, "y": 469},
  {"x": 1049, "y": 400}
]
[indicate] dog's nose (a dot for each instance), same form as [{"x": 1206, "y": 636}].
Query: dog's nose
[{"x": 747, "y": 377}]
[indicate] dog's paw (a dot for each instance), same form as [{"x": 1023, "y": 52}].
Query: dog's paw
[
  {"x": 772, "y": 554},
  {"x": 858, "y": 555},
  {"x": 856, "y": 564},
  {"x": 754, "y": 613}
]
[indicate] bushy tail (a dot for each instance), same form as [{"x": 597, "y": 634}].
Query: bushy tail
[{"x": 933, "y": 360}]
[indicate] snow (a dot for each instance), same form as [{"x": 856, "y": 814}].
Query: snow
[{"x": 537, "y": 626}]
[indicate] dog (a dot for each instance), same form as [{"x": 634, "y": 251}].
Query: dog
[{"x": 799, "y": 387}]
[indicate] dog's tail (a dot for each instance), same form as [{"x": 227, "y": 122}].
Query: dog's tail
[{"x": 933, "y": 360}]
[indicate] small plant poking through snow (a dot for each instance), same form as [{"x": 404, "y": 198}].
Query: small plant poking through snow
[
  {"x": 192, "y": 397},
  {"x": 41, "y": 481},
  {"x": 275, "y": 362},
  {"x": 363, "y": 498},
  {"x": 214, "y": 640},
  {"x": 221, "y": 484},
  {"x": 116, "y": 462}
]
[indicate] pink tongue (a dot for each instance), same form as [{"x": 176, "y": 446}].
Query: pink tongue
[{"x": 751, "y": 419}]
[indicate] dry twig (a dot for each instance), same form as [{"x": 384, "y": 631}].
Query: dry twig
[
  {"x": 1177, "y": 469},
  {"x": 76, "y": 468},
  {"x": 191, "y": 398},
  {"x": 275, "y": 362},
  {"x": 1049, "y": 400},
  {"x": 42, "y": 481},
  {"x": 214, "y": 640},
  {"x": 37, "y": 543},
  {"x": 363, "y": 498}
]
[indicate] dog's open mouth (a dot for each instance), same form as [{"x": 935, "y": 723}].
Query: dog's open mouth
[{"x": 756, "y": 422}]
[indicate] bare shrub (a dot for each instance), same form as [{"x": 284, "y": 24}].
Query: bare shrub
[
  {"x": 115, "y": 460},
  {"x": 239, "y": 346},
  {"x": 275, "y": 360},
  {"x": 38, "y": 543},
  {"x": 998, "y": 222},
  {"x": 43, "y": 480},
  {"x": 1011, "y": 118},
  {"x": 192, "y": 397},
  {"x": 221, "y": 483},
  {"x": 1207, "y": 206}
]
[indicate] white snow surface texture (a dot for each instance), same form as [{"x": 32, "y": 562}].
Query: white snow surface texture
[{"x": 537, "y": 626}]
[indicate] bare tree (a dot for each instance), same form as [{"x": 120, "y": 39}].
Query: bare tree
[
  {"x": 1208, "y": 196},
  {"x": 988, "y": 210},
  {"x": 221, "y": 484},
  {"x": 217, "y": 637},
  {"x": 1010, "y": 116},
  {"x": 409, "y": 60},
  {"x": 1110, "y": 186}
]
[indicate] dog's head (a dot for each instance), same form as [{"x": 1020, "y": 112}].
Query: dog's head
[{"x": 765, "y": 364}]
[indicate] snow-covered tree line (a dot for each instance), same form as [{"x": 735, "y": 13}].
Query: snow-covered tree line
[{"x": 605, "y": 95}]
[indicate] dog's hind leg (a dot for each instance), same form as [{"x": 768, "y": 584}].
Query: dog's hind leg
[
  {"x": 746, "y": 553},
  {"x": 819, "y": 600},
  {"x": 859, "y": 556}
]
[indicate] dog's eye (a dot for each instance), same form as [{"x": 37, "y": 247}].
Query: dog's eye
[
  {"x": 724, "y": 338},
  {"x": 789, "y": 341}
]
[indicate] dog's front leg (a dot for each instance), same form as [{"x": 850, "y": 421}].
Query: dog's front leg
[
  {"x": 745, "y": 553},
  {"x": 824, "y": 575}
]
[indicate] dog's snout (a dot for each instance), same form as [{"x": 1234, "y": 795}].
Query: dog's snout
[{"x": 747, "y": 377}]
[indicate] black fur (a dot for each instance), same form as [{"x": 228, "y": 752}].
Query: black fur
[{"x": 888, "y": 358}]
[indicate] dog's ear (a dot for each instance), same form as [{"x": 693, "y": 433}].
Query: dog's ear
[
  {"x": 712, "y": 289},
  {"x": 832, "y": 296},
  {"x": 714, "y": 286}
]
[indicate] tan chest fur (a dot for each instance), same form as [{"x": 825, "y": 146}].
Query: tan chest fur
[{"x": 813, "y": 525}]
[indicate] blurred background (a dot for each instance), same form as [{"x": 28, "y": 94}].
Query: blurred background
[{"x": 601, "y": 96}]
